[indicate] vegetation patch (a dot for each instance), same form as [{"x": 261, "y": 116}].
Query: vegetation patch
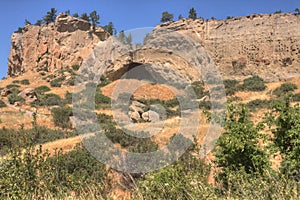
[
  {"x": 284, "y": 89},
  {"x": 42, "y": 89}
]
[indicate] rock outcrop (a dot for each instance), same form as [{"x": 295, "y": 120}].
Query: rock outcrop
[
  {"x": 66, "y": 42},
  {"x": 266, "y": 45}
]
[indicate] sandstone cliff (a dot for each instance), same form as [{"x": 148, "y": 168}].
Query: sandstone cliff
[
  {"x": 66, "y": 42},
  {"x": 266, "y": 45}
]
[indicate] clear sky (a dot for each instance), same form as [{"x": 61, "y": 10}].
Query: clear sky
[{"x": 127, "y": 14}]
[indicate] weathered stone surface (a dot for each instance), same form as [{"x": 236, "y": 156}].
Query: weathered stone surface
[
  {"x": 66, "y": 42},
  {"x": 28, "y": 94},
  {"x": 150, "y": 116},
  {"x": 5, "y": 92},
  {"x": 134, "y": 116},
  {"x": 266, "y": 45}
]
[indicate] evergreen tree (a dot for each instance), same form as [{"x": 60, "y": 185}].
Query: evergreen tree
[
  {"x": 50, "y": 17},
  {"x": 122, "y": 36},
  {"x": 192, "y": 13},
  {"x": 38, "y": 22},
  {"x": 297, "y": 11},
  {"x": 75, "y": 15},
  {"x": 27, "y": 22},
  {"x": 180, "y": 17},
  {"x": 67, "y": 12},
  {"x": 94, "y": 18},
  {"x": 166, "y": 17},
  {"x": 110, "y": 28},
  {"x": 84, "y": 16}
]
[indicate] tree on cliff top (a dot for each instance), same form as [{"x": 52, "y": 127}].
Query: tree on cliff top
[
  {"x": 94, "y": 18},
  {"x": 192, "y": 13},
  {"x": 50, "y": 17},
  {"x": 110, "y": 28},
  {"x": 84, "y": 16},
  {"x": 166, "y": 17}
]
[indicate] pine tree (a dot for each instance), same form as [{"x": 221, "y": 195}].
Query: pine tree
[
  {"x": 110, "y": 28},
  {"x": 166, "y": 17},
  {"x": 50, "y": 17},
  {"x": 129, "y": 39},
  {"x": 84, "y": 16},
  {"x": 180, "y": 17},
  {"x": 38, "y": 23},
  {"x": 192, "y": 13},
  {"x": 94, "y": 18},
  {"x": 27, "y": 22},
  {"x": 75, "y": 15},
  {"x": 297, "y": 11}
]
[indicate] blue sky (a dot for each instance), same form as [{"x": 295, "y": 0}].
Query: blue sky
[{"x": 127, "y": 14}]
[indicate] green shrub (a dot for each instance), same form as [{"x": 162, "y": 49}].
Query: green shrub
[
  {"x": 25, "y": 82},
  {"x": 296, "y": 97},
  {"x": 57, "y": 82},
  {"x": 14, "y": 97},
  {"x": 258, "y": 104},
  {"x": 12, "y": 86},
  {"x": 284, "y": 89},
  {"x": 48, "y": 100},
  {"x": 68, "y": 97},
  {"x": 101, "y": 101},
  {"x": 238, "y": 147},
  {"x": 61, "y": 116},
  {"x": 75, "y": 67},
  {"x": 198, "y": 88},
  {"x": 230, "y": 86},
  {"x": 42, "y": 89},
  {"x": 254, "y": 83},
  {"x": 16, "y": 81},
  {"x": 2, "y": 104}
]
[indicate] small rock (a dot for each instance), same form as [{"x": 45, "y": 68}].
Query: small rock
[
  {"x": 5, "y": 92},
  {"x": 150, "y": 116},
  {"x": 134, "y": 116}
]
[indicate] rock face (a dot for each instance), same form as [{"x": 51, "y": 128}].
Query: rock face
[
  {"x": 266, "y": 45},
  {"x": 66, "y": 42}
]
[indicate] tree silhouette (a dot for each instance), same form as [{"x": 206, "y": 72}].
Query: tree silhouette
[
  {"x": 85, "y": 17},
  {"x": 180, "y": 17},
  {"x": 192, "y": 13},
  {"x": 94, "y": 18},
  {"x": 75, "y": 15},
  {"x": 50, "y": 17},
  {"x": 110, "y": 28},
  {"x": 297, "y": 11},
  {"x": 27, "y": 22},
  {"x": 166, "y": 17}
]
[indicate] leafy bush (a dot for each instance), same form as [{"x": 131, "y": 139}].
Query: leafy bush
[
  {"x": 68, "y": 97},
  {"x": 42, "y": 89},
  {"x": 12, "y": 86},
  {"x": 57, "y": 82},
  {"x": 296, "y": 97},
  {"x": 284, "y": 89},
  {"x": 254, "y": 83},
  {"x": 101, "y": 101},
  {"x": 61, "y": 116},
  {"x": 230, "y": 86},
  {"x": 25, "y": 82},
  {"x": 2, "y": 104},
  {"x": 75, "y": 67},
  {"x": 14, "y": 97},
  {"x": 284, "y": 121},
  {"x": 35, "y": 174},
  {"x": 48, "y": 100},
  {"x": 238, "y": 148}
]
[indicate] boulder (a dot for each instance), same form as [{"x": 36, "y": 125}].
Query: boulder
[
  {"x": 134, "y": 116},
  {"x": 28, "y": 94},
  {"x": 137, "y": 107},
  {"x": 150, "y": 116},
  {"x": 5, "y": 92}
]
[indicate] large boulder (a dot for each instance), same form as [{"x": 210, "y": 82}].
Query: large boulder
[
  {"x": 150, "y": 116},
  {"x": 66, "y": 23},
  {"x": 29, "y": 95}
]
